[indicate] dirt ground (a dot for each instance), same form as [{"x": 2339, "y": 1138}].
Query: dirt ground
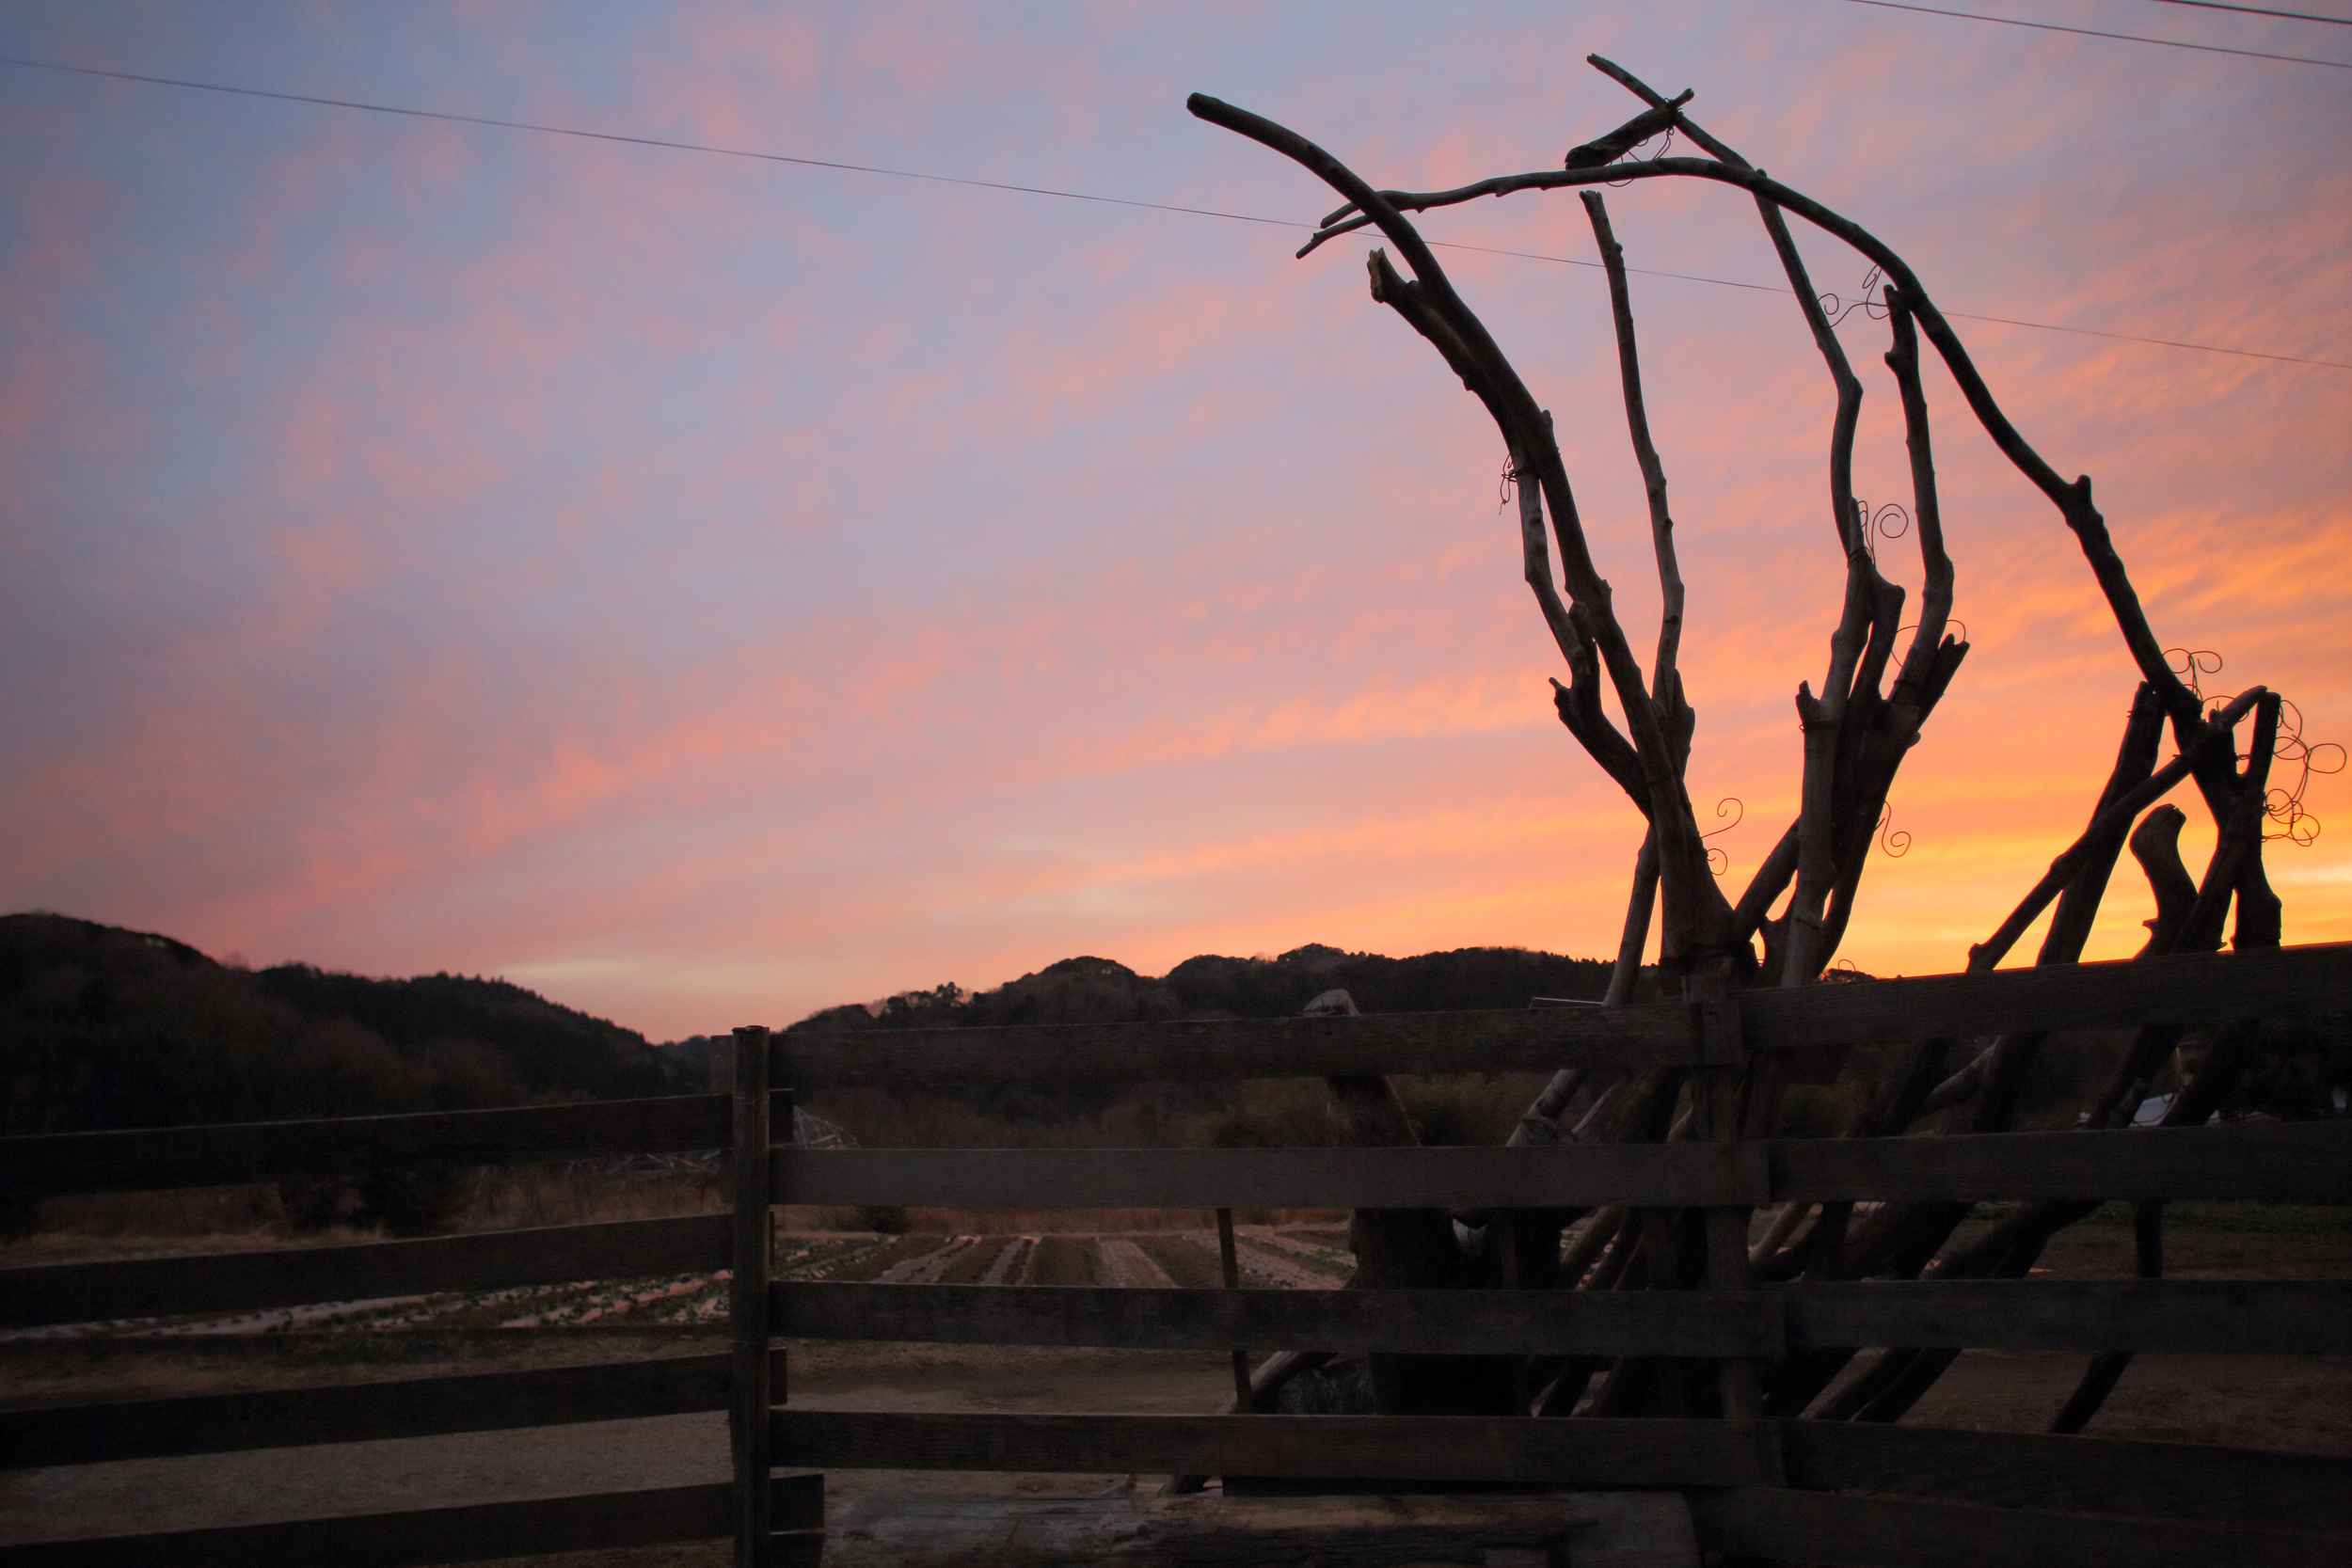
[{"x": 2249, "y": 1401}]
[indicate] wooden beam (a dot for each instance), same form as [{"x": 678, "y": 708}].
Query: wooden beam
[
  {"x": 1447, "y": 1322},
  {"x": 2206, "y": 988},
  {"x": 1526, "y": 1177},
  {"x": 1579, "y": 1453},
  {"x": 1875, "y": 1533},
  {"x": 2300, "y": 1162},
  {"x": 2295, "y": 1492},
  {"x": 947, "y": 1529},
  {"x": 2275, "y": 1317},
  {"x": 2290, "y": 1163},
  {"x": 1625, "y": 1039},
  {"x": 250, "y": 1281},
  {"x": 2210, "y": 1317},
  {"x": 750, "y": 1248},
  {"x": 2192, "y": 988},
  {"x": 437, "y": 1535},
  {"x": 356, "y": 1413},
  {"x": 225, "y": 1154}
]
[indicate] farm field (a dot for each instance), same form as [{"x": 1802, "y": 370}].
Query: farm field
[{"x": 2264, "y": 1402}]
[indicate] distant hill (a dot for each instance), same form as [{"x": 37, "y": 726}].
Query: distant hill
[
  {"x": 100, "y": 1026},
  {"x": 106, "y": 1027},
  {"x": 1100, "y": 991}
]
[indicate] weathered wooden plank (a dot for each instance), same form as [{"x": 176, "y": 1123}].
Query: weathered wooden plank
[
  {"x": 2191, "y": 989},
  {"x": 1876, "y": 1533},
  {"x": 247, "y": 1281},
  {"x": 2252, "y": 1317},
  {"x": 2310, "y": 1162},
  {"x": 2187, "y": 990},
  {"x": 435, "y": 1535},
  {"x": 748, "y": 1306},
  {"x": 1531, "y": 1178},
  {"x": 424, "y": 1407},
  {"x": 1498, "y": 1040},
  {"x": 2293, "y": 1492},
  {"x": 2274, "y": 1316},
  {"x": 223, "y": 1154},
  {"x": 1456, "y": 1322},
  {"x": 1597, "y": 1453},
  {"x": 2295, "y": 1163},
  {"x": 919, "y": 1529}
]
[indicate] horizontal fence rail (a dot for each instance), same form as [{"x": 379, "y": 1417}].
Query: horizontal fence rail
[
  {"x": 2285, "y": 1162},
  {"x": 470, "y": 1533},
  {"x": 1868, "y": 1533},
  {"x": 1591, "y": 1453},
  {"x": 2268, "y": 1317},
  {"x": 367, "y": 1411},
  {"x": 2073, "y": 1474},
  {"x": 1501, "y": 1040},
  {"x": 2171, "y": 1481},
  {"x": 252, "y": 1281},
  {"x": 227, "y": 1154},
  {"x": 2189, "y": 989},
  {"x": 2208, "y": 988}
]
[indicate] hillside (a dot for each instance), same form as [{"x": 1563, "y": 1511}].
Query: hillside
[{"x": 106, "y": 1027}]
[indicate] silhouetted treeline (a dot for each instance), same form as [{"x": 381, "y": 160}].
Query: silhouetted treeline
[
  {"x": 106, "y": 1027},
  {"x": 1101, "y": 991}
]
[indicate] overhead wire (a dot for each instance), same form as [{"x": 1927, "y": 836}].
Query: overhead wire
[
  {"x": 668, "y": 143},
  {"x": 2259, "y": 10},
  {"x": 2096, "y": 33}
]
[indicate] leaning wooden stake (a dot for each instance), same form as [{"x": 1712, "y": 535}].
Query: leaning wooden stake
[{"x": 747, "y": 1304}]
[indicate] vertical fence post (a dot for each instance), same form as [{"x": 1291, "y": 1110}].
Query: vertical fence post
[
  {"x": 1228, "y": 1262},
  {"x": 1740, "y": 1381},
  {"x": 747, "y": 1304}
]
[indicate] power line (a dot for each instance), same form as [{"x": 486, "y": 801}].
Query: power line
[
  {"x": 2259, "y": 10},
  {"x": 2094, "y": 33},
  {"x": 1041, "y": 190}
]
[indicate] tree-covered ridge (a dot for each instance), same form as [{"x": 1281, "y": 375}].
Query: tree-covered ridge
[
  {"x": 1101, "y": 991},
  {"x": 100, "y": 1026},
  {"x": 106, "y": 1027}
]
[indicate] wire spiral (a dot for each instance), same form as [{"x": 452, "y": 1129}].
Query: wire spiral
[
  {"x": 1837, "y": 309},
  {"x": 1503, "y": 487},
  {"x": 1663, "y": 148},
  {"x": 2296, "y": 824},
  {"x": 1949, "y": 622},
  {"x": 2192, "y": 665},
  {"x": 1895, "y": 843},
  {"x": 1891, "y": 521},
  {"x": 1719, "y": 858},
  {"x": 2284, "y": 806}
]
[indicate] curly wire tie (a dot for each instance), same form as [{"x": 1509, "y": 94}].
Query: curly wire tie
[
  {"x": 1628, "y": 157},
  {"x": 2284, "y": 806},
  {"x": 2192, "y": 665},
  {"x": 1895, "y": 843},
  {"x": 1891, "y": 521},
  {"x": 1718, "y": 858},
  {"x": 1837, "y": 309},
  {"x": 1502, "y": 491}
]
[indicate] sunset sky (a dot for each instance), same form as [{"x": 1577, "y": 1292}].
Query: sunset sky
[{"x": 705, "y": 589}]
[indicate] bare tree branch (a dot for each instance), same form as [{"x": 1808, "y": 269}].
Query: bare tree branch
[
  {"x": 1661, "y": 525},
  {"x": 1990, "y": 952}
]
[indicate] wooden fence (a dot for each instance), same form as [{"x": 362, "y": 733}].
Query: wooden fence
[{"x": 1813, "y": 1491}]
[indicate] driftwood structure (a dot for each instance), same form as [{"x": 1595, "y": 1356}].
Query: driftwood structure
[{"x": 1883, "y": 680}]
